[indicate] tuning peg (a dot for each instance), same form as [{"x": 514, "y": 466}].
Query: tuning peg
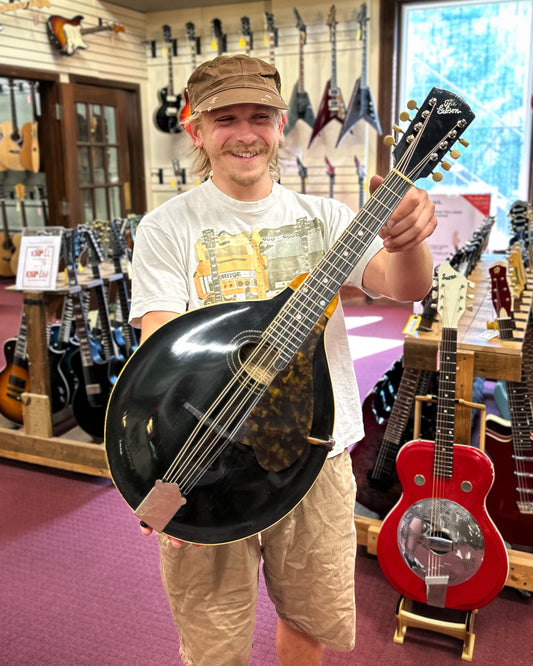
[
  {"x": 437, "y": 176},
  {"x": 404, "y": 116},
  {"x": 411, "y": 105},
  {"x": 446, "y": 165},
  {"x": 464, "y": 142},
  {"x": 389, "y": 140},
  {"x": 398, "y": 129},
  {"x": 455, "y": 153}
]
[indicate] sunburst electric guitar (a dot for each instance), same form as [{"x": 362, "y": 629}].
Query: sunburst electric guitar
[
  {"x": 194, "y": 414},
  {"x": 439, "y": 545}
]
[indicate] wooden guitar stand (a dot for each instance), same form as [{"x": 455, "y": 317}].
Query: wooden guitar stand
[{"x": 405, "y": 618}]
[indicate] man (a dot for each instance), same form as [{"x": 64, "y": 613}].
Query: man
[{"x": 241, "y": 235}]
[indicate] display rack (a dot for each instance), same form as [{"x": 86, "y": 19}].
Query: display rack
[
  {"x": 35, "y": 442},
  {"x": 478, "y": 355}
]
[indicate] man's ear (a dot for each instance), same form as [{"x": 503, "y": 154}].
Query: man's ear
[{"x": 194, "y": 132}]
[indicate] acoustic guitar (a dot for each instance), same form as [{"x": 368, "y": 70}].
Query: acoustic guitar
[
  {"x": 220, "y": 422},
  {"x": 299, "y": 104},
  {"x": 438, "y": 545},
  {"x": 11, "y": 138},
  {"x": 332, "y": 103},
  {"x": 7, "y": 243},
  {"x": 29, "y": 152}
]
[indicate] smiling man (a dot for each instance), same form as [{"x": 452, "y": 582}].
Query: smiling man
[{"x": 240, "y": 235}]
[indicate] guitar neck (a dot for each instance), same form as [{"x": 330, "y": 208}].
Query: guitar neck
[
  {"x": 299, "y": 315},
  {"x": 301, "y": 82},
  {"x": 333, "y": 84},
  {"x": 443, "y": 458}
]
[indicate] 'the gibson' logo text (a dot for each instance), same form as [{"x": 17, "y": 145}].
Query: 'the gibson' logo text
[{"x": 447, "y": 107}]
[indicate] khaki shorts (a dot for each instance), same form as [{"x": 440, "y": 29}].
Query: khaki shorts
[{"x": 308, "y": 564}]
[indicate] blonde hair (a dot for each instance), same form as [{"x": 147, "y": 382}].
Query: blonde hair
[{"x": 202, "y": 164}]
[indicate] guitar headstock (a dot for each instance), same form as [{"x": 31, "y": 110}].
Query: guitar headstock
[
  {"x": 271, "y": 29},
  {"x": 500, "y": 290},
  {"x": 247, "y": 37},
  {"x": 452, "y": 292},
  {"x": 116, "y": 27},
  {"x": 439, "y": 122},
  {"x": 302, "y": 170},
  {"x": 189, "y": 27},
  {"x": 219, "y": 44},
  {"x": 20, "y": 191},
  {"x": 332, "y": 17},
  {"x": 118, "y": 243},
  {"x": 167, "y": 34},
  {"x": 329, "y": 168},
  {"x": 359, "y": 168},
  {"x": 301, "y": 26},
  {"x": 362, "y": 18}
]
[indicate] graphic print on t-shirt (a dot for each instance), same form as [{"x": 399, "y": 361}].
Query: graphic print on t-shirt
[{"x": 255, "y": 264}]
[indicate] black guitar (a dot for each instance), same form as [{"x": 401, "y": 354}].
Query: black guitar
[
  {"x": 95, "y": 374},
  {"x": 194, "y": 414},
  {"x": 128, "y": 342},
  {"x": 361, "y": 105},
  {"x": 300, "y": 105},
  {"x": 167, "y": 114}
]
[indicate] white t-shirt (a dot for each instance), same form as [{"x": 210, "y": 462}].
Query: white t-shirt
[{"x": 202, "y": 247}]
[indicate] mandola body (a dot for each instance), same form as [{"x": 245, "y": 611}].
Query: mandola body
[{"x": 174, "y": 378}]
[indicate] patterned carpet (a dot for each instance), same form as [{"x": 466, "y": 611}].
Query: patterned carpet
[{"x": 80, "y": 586}]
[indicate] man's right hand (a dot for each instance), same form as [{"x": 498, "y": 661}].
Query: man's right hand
[{"x": 146, "y": 530}]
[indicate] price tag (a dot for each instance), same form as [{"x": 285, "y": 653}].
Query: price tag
[{"x": 412, "y": 324}]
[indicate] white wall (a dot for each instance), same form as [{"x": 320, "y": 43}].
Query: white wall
[{"x": 127, "y": 56}]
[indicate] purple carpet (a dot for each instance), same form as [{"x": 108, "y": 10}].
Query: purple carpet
[{"x": 81, "y": 586}]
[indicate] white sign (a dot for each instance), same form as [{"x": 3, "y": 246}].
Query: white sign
[
  {"x": 38, "y": 262},
  {"x": 458, "y": 216}
]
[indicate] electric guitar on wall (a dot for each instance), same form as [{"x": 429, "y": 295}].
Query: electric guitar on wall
[
  {"x": 166, "y": 115},
  {"x": 219, "y": 37},
  {"x": 361, "y": 105},
  {"x": 194, "y": 44},
  {"x": 302, "y": 172},
  {"x": 247, "y": 39},
  {"x": 190, "y": 423},
  {"x": 332, "y": 104},
  {"x": 438, "y": 545},
  {"x": 66, "y": 35},
  {"x": 300, "y": 104},
  {"x": 361, "y": 175},
  {"x": 509, "y": 444},
  {"x": 330, "y": 170},
  {"x": 271, "y": 37}
]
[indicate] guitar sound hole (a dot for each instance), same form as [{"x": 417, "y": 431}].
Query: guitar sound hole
[{"x": 259, "y": 362}]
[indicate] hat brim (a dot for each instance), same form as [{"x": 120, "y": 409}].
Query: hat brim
[{"x": 241, "y": 96}]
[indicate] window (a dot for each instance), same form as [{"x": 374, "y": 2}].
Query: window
[{"x": 481, "y": 50}]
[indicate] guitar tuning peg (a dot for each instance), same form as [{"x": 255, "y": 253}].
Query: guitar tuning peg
[
  {"x": 437, "y": 176},
  {"x": 411, "y": 105},
  {"x": 455, "y": 153},
  {"x": 464, "y": 142},
  {"x": 389, "y": 140},
  {"x": 471, "y": 285},
  {"x": 404, "y": 116},
  {"x": 398, "y": 129},
  {"x": 446, "y": 165}
]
